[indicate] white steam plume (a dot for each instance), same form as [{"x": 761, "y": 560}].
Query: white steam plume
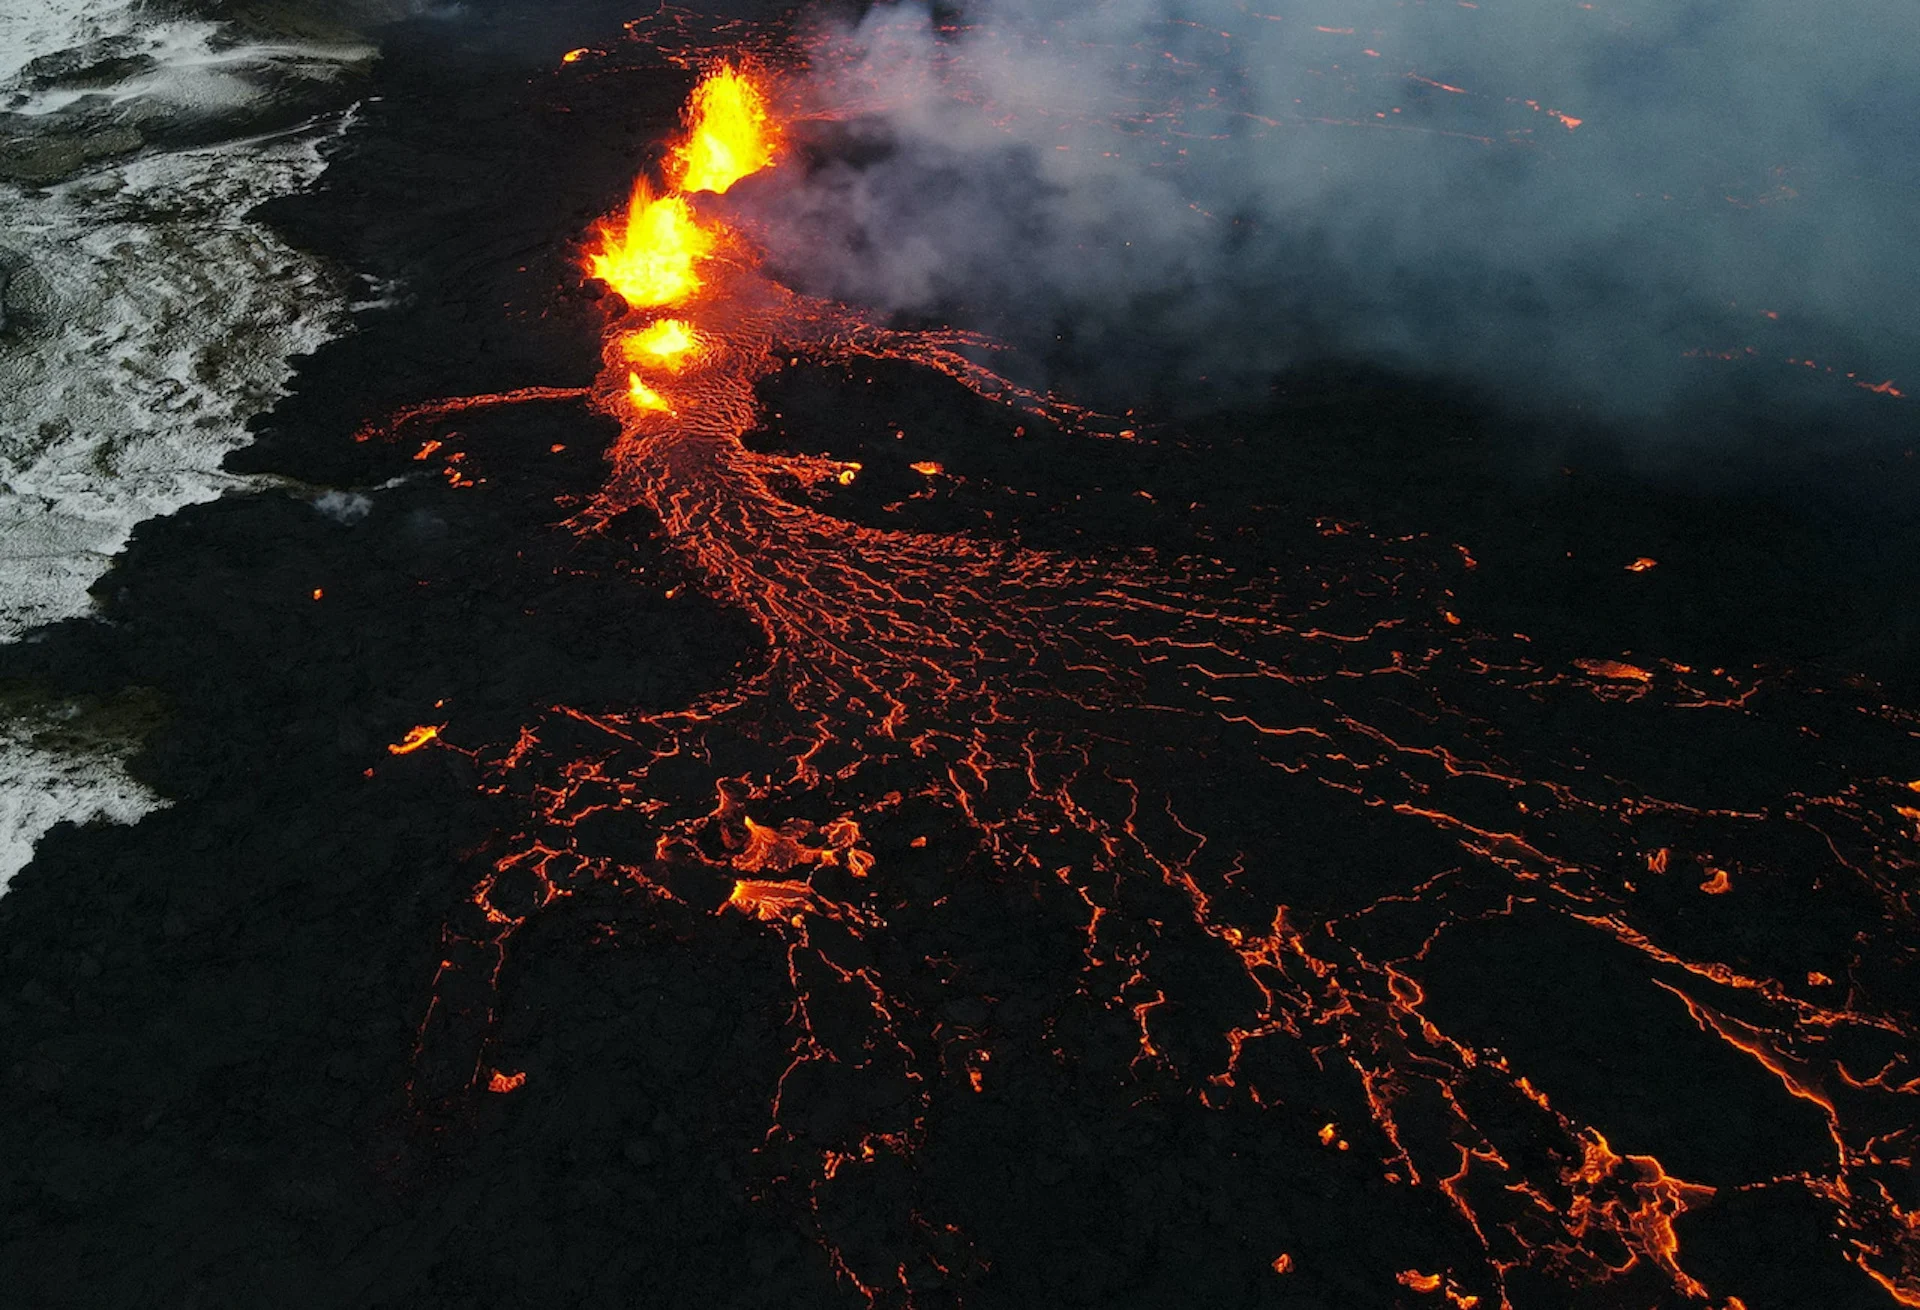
[{"x": 1580, "y": 207}]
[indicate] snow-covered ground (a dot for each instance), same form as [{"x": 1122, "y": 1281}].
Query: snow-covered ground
[
  {"x": 158, "y": 320},
  {"x": 146, "y": 319},
  {"x": 31, "y": 28},
  {"x": 65, "y": 760}
]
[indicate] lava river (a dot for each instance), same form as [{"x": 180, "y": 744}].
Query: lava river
[{"x": 946, "y": 724}]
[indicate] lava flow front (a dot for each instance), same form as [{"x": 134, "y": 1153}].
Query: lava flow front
[{"x": 985, "y": 805}]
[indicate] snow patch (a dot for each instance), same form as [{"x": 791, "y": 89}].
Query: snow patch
[
  {"x": 195, "y": 68},
  {"x": 151, "y": 320},
  {"x": 65, "y": 763},
  {"x": 31, "y": 28},
  {"x": 143, "y": 321}
]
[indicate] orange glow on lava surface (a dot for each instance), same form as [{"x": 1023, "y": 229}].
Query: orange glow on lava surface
[
  {"x": 661, "y": 344},
  {"x": 1018, "y": 696}
]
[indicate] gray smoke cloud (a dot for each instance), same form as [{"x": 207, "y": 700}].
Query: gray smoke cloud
[{"x": 1577, "y": 207}]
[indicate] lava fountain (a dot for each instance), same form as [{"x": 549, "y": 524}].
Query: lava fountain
[
  {"x": 731, "y": 134},
  {"x": 1063, "y": 715}
]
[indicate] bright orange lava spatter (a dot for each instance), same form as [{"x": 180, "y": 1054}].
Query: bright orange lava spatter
[
  {"x": 1023, "y": 693},
  {"x": 649, "y": 257},
  {"x": 730, "y": 133}
]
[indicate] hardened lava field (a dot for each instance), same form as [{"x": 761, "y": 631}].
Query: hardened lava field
[{"x": 1291, "y": 842}]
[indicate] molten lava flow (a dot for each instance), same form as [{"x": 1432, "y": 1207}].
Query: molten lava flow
[
  {"x": 415, "y": 739},
  {"x": 1615, "y": 670},
  {"x": 664, "y": 343},
  {"x": 771, "y": 900},
  {"x": 1062, "y": 722},
  {"x": 645, "y": 397},
  {"x": 729, "y": 134},
  {"x": 649, "y": 257}
]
